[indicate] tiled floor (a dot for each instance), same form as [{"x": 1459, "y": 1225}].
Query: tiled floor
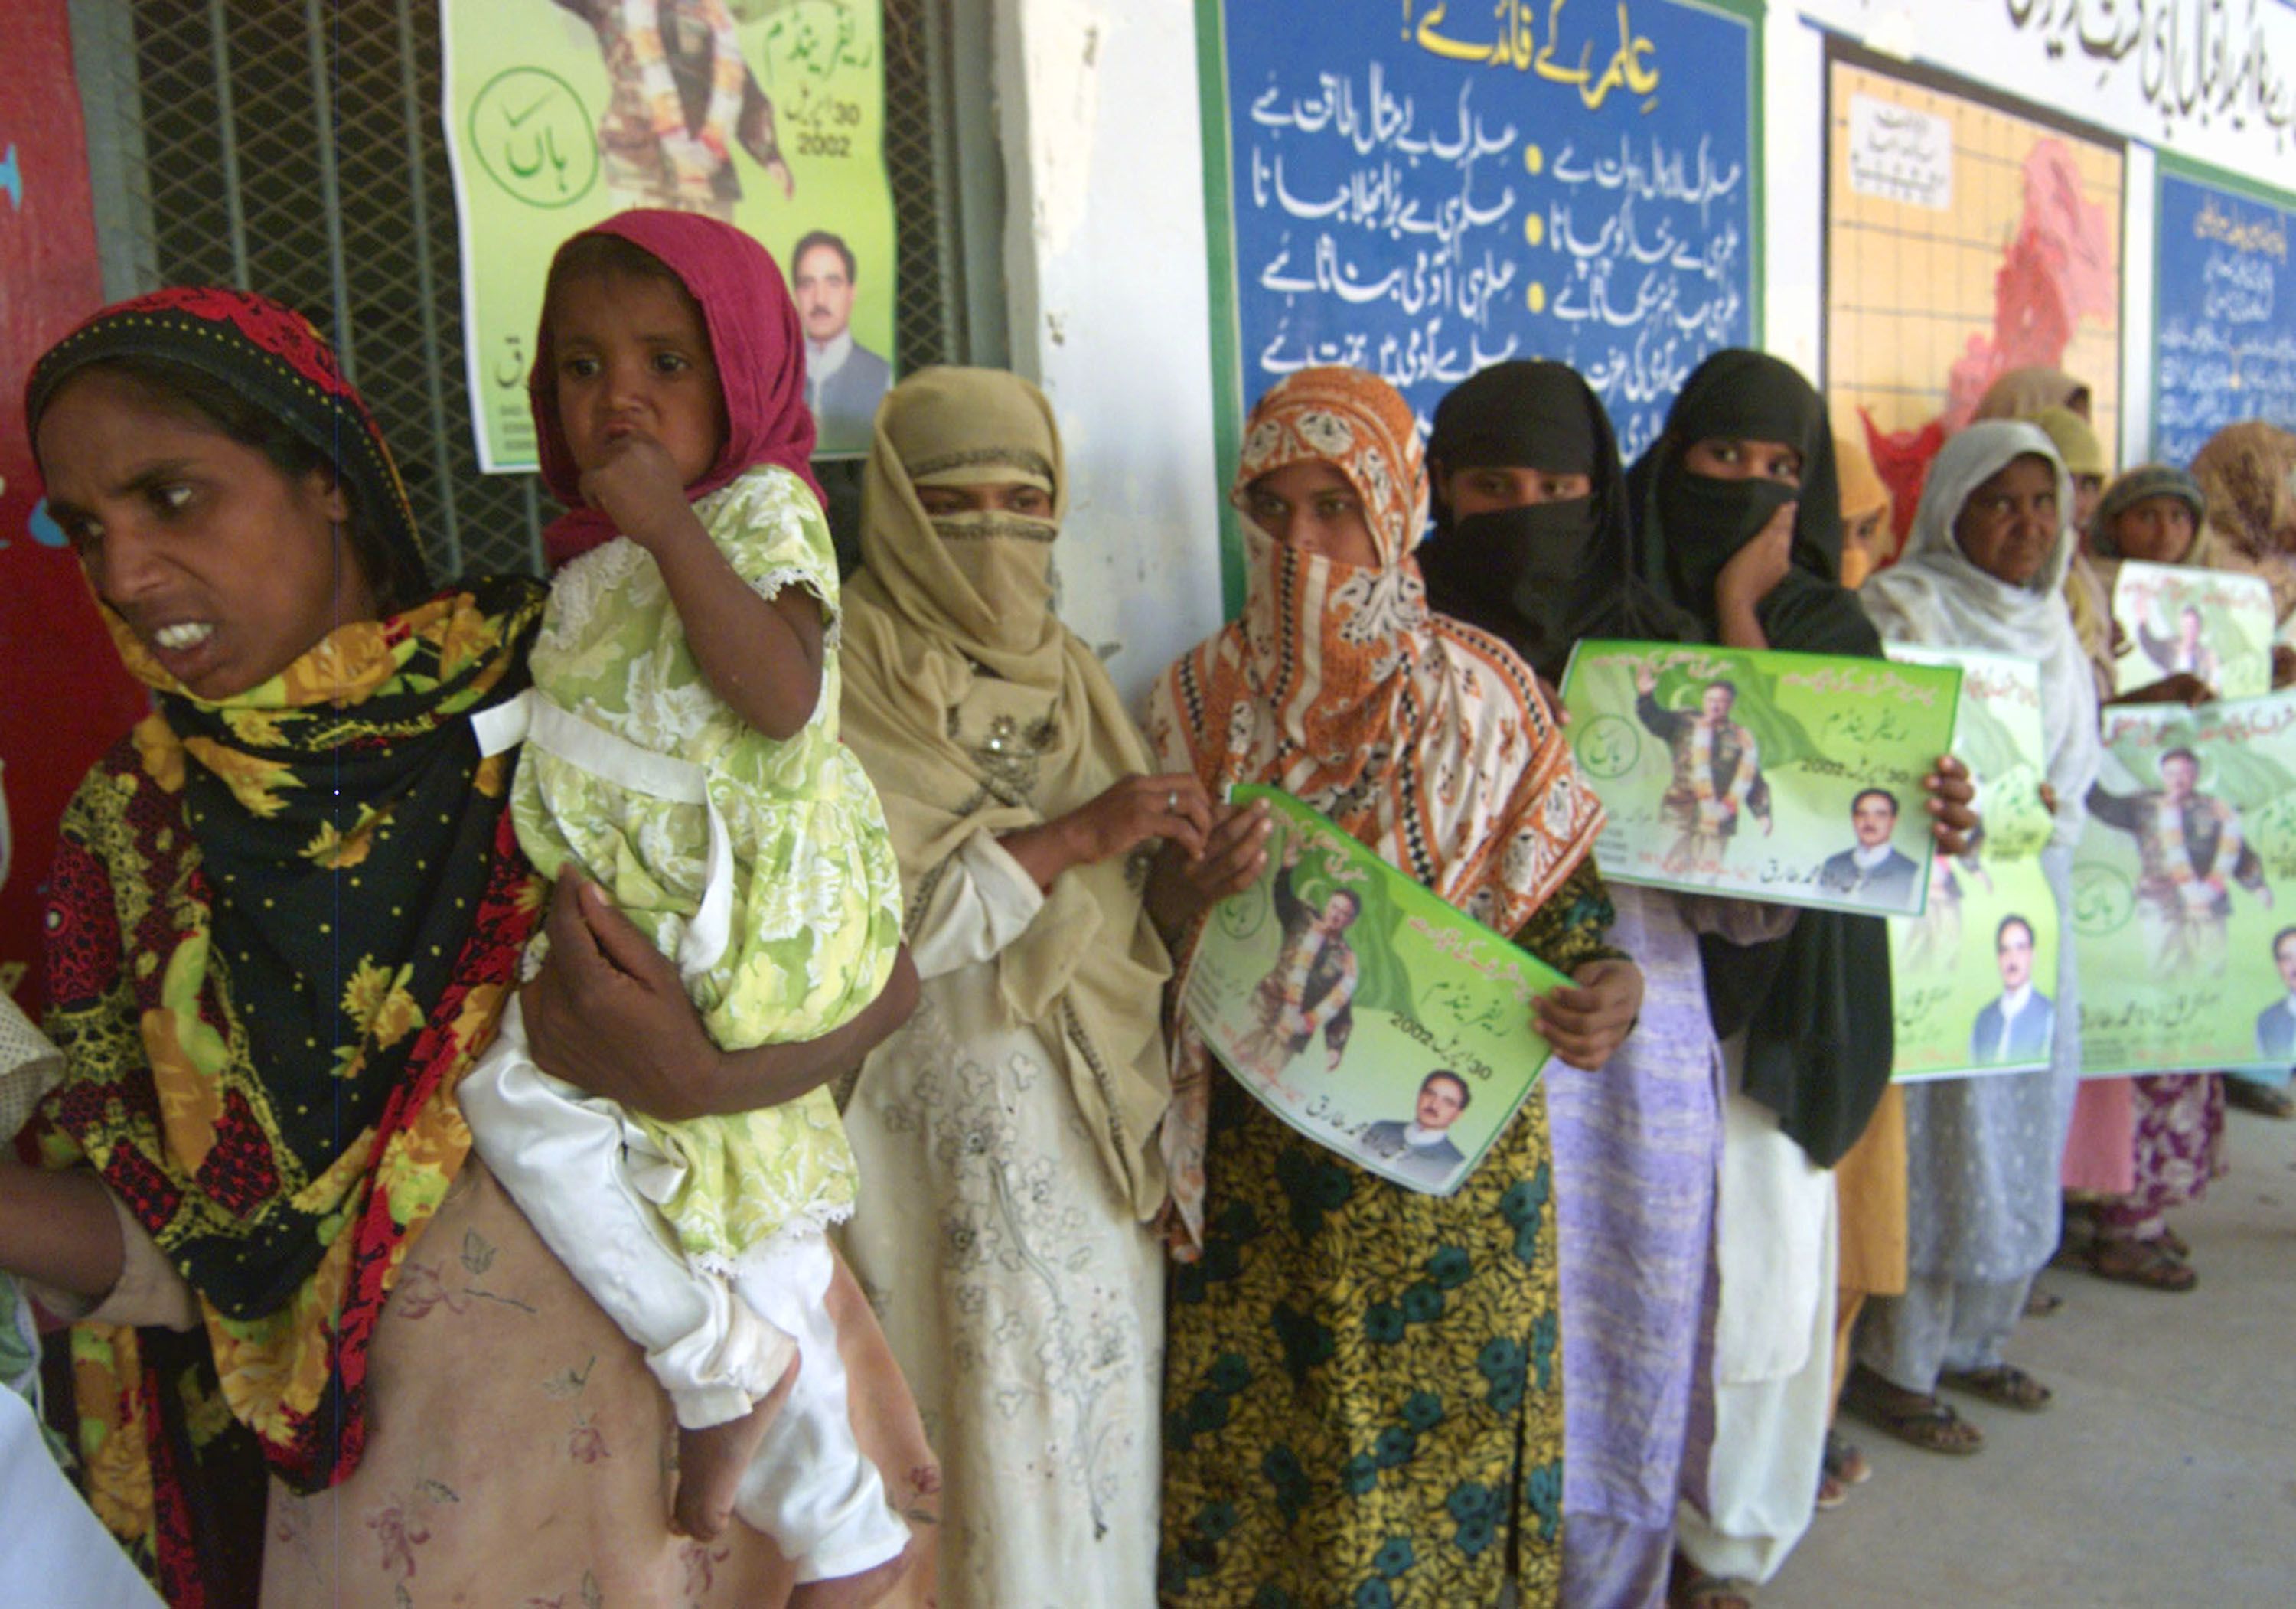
[{"x": 2164, "y": 1475}]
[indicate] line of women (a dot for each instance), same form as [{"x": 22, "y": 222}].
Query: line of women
[
  {"x": 1114, "y": 1334},
  {"x": 2142, "y": 1147}
]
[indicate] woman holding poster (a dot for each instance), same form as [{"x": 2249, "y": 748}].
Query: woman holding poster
[
  {"x": 1361, "y": 1378},
  {"x": 1740, "y": 519},
  {"x": 1532, "y": 543},
  {"x": 1984, "y": 568},
  {"x": 2156, "y": 513}
]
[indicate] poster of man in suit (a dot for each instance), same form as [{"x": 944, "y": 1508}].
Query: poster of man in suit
[{"x": 2019, "y": 1025}]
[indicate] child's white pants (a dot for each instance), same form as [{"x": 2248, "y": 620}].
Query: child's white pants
[{"x": 717, "y": 1347}]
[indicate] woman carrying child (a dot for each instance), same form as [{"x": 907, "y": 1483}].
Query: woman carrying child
[{"x": 681, "y": 748}]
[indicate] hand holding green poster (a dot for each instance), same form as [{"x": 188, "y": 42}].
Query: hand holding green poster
[
  {"x": 2208, "y": 623},
  {"x": 1794, "y": 779},
  {"x": 2185, "y": 956},
  {"x": 1363, "y": 1011},
  {"x": 1971, "y": 973}
]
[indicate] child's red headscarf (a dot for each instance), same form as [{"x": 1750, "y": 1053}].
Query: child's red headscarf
[{"x": 754, "y": 337}]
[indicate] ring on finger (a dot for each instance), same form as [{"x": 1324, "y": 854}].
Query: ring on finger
[{"x": 1172, "y": 801}]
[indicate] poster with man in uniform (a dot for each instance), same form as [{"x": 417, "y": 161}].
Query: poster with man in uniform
[{"x": 767, "y": 114}]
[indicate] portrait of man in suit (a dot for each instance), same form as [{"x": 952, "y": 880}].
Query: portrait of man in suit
[
  {"x": 2275, "y": 1024},
  {"x": 1422, "y": 1148},
  {"x": 1872, "y": 872},
  {"x": 2019, "y": 1024},
  {"x": 843, "y": 378}
]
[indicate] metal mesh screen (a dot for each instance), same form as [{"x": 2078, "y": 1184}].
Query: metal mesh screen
[
  {"x": 296, "y": 149},
  {"x": 921, "y": 334}
]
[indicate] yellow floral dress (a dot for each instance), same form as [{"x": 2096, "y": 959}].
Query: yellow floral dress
[
  {"x": 1362, "y": 1391},
  {"x": 802, "y": 851}
]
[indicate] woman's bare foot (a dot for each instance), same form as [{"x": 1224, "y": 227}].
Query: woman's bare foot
[{"x": 854, "y": 1591}]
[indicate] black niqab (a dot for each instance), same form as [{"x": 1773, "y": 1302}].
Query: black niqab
[
  {"x": 1816, "y": 1004},
  {"x": 1546, "y": 577}
]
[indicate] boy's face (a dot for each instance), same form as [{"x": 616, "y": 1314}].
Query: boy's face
[{"x": 633, "y": 359}]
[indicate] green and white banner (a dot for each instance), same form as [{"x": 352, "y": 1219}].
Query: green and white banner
[
  {"x": 1365, "y": 1012},
  {"x": 768, "y": 113},
  {"x": 1794, "y": 779},
  {"x": 1975, "y": 973},
  {"x": 2213, "y": 623},
  {"x": 2187, "y": 956}
]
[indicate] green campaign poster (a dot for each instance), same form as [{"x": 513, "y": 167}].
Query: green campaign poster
[
  {"x": 1794, "y": 779},
  {"x": 2213, "y": 623},
  {"x": 2178, "y": 916},
  {"x": 768, "y": 113},
  {"x": 1975, "y": 972},
  {"x": 1363, "y": 1011}
]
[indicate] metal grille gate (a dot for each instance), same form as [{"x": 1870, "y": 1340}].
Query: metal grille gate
[{"x": 224, "y": 139}]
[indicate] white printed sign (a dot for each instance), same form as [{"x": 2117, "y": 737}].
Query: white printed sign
[{"x": 1901, "y": 155}]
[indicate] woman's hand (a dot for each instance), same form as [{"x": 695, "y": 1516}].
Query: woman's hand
[
  {"x": 59, "y": 1229},
  {"x": 1586, "y": 1025},
  {"x": 2049, "y": 799},
  {"x": 1173, "y": 807},
  {"x": 1183, "y": 886},
  {"x": 608, "y": 1013},
  {"x": 1751, "y": 575},
  {"x": 1954, "y": 819},
  {"x": 1552, "y": 695},
  {"x": 2178, "y": 687}
]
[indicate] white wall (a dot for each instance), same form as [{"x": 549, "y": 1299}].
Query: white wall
[{"x": 1109, "y": 311}]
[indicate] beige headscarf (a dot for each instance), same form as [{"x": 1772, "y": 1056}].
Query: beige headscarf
[
  {"x": 2083, "y": 451},
  {"x": 1862, "y": 492},
  {"x": 2248, "y": 473},
  {"x": 2021, "y": 393},
  {"x": 975, "y": 710}
]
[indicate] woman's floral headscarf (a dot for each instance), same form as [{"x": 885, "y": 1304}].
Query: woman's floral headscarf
[{"x": 1425, "y": 739}]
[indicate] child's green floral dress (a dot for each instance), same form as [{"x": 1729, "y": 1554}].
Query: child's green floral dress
[{"x": 806, "y": 916}]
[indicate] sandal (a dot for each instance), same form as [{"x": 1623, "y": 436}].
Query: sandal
[
  {"x": 1844, "y": 1462},
  {"x": 1832, "y": 1494},
  {"x": 1916, "y": 1420},
  {"x": 2266, "y": 1100},
  {"x": 2004, "y": 1383},
  {"x": 1715, "y": 1592},
  {"x": 2149, "y": 1263},
  {"x": 2040, "y": 1303}
]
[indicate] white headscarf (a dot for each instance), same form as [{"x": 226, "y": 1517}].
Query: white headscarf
[{"x": 1935, "y": 596}]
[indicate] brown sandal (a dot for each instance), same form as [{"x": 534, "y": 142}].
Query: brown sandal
[
  {"x": 1715, "y": 1592},
  {"x": 2004, "y": 1383},
  {"x": 1916, "y": 1420},
  {"x": 2138, "y": 1262}
]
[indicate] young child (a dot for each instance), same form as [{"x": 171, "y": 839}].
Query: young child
[{"x": 682, "y": 749}]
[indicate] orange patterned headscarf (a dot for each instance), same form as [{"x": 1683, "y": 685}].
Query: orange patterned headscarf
[{"x": 1425, "y": 739}]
